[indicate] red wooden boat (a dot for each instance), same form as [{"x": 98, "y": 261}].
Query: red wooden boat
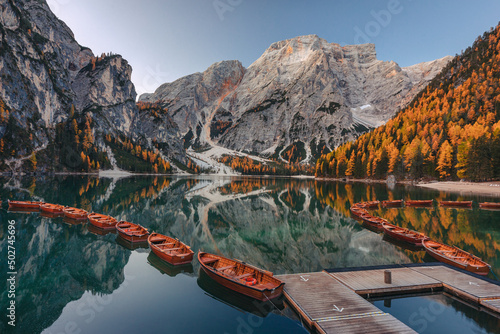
[
  {"x": 102, "y": 221},
  {"x": 241, "y": 277},
  {"x": 466, "y": 204},
  {"x": 419, "y": 202},
  {"x": 369, "y": 205},
  {"x": 357, "y": 211},
  {"x": 392, "y": 204},
  {"x": 132, "y": 232},
  {"x": 374, "y": 221},
  {"x": 74, "y": 213},
  {"x": 51, "y": 208},
  {"x": 404, "y": 234},
  {"x": 169, "y": 249},
  {"x": 456, "y": 257},
  {"x": 489, "y": 205},
  {"x": 24, "y": 205}
]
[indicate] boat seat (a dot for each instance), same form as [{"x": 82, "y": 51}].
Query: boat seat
[
  {"x": 172, "y": 249},
  {"x": 244, "y": 275},
  {"x": 209, "y": 261},
  {"x": 226, "y": 268},
  {"x": 183, "y": 254}
]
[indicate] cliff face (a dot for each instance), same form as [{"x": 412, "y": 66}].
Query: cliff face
[
  {"x": 303, "y": 89},
  {"x": 48, "y": 79}
]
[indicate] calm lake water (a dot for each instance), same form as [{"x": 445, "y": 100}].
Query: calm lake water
[{"x": 71, "y": 279}]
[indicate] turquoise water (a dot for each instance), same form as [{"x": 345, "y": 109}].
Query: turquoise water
[
  {"x": 73, "y": 280},
  {"x": 436, "y": 314}
]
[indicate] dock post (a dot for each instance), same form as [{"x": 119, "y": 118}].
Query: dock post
[{"x": 387, "y": 277}]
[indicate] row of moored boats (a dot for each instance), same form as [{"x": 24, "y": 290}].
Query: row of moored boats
[
  {"x": 441, "y": 252},
  {"x": 233, "y": 274}
]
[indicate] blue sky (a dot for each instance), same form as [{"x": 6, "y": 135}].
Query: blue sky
[{"x": 166, "y": 39}]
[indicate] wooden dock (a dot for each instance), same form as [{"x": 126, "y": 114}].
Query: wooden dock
[
  {"x": 328, "y": 306},
  {"x": 331, "y": 301}
]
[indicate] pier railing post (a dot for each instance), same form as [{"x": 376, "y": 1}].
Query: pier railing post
[{"x": 387, "y": 277}]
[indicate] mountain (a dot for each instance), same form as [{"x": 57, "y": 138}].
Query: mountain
[
  {"x": 303, "y": 91},
  {"x": 450, "y": 130},
  {"x": 58, "y": 101},
  {"x": 62, "y": 108}
]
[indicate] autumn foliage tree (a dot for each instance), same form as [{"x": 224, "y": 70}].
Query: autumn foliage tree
[{"x": 451, "y": 129}]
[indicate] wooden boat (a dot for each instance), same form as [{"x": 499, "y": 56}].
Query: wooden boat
[
  {"x": 169, "y": 249},
  {"x": 240, "y": 302},
  {"x": 241, "y": 277},
  {"x": 74, "y": 213},
  {"x": 419, "y": 202},
  {"x": 51, "y": 208},
  {"x": 24, "y": 205},
  {"x": 401, "y": 244},
  {"x": 372, "y": 220},
  {"x": 357, "y": 211},
  {"x": 132, "y": 232},
  {"x": 404, "y": 234},
  {"x": 456, "y": 257},
  {"x": 369, "y": 205},
  {"x": 102, "y": 221},
  {"x": 466, "y": 204},
  {"x": 392, "y": 204},
  {"x": 489, "y": 205}
]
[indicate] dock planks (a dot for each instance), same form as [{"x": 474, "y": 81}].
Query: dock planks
[
  {"x": 330, "y": 307},
  {"x": 461, "y": 284},
  {"x": 492, "y": 304},
  {"x": 370, "y": 283},
  {"x": 331, "y": 301}
]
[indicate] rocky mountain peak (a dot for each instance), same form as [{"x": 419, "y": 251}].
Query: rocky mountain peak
[{"x": 301, "y": 91}]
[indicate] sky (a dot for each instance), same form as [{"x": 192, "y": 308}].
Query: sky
[{"x": 164, "y": 40}]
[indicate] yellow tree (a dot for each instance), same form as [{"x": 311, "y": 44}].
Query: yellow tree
[
  {"x": 350, "y": 165},
  {"x": 445, "y": 160}
]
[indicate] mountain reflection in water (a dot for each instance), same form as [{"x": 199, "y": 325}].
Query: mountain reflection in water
[{"x": 279, "y": 224}]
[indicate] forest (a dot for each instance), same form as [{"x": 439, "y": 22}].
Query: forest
[{"x": 450, "y": 131}]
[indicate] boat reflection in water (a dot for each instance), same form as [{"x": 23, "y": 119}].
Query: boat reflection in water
[
  {"x": 50, "y": 214},
  {"x": 23, "y": 210},
  {"x": 99, "y": 231},
  {"x": 166, "y": 268},
  {"x": 129, "y": 245},
  {"x": 403, "y": 244},
  {"x": 238, "y": 300},
  {"x": 72, "y": 221}
]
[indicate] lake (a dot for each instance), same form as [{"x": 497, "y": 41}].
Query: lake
[{"x": 73, "y": 279}]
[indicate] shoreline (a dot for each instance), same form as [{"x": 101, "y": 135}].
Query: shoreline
[
  {"x": 491, "y": 188},
  {"x": 465, "y": 188}
]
